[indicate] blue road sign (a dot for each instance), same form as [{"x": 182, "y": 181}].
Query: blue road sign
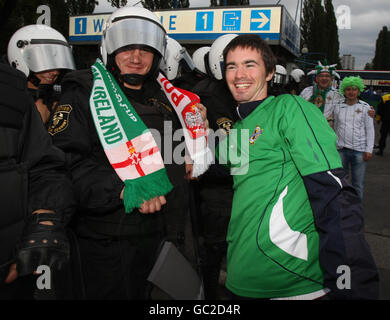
[
  {"x": 80, "y": 25},
  {"x": 260, "y": 20},
  {"x": 231, "y": 20},
  {"x": 204, "y": 21}
]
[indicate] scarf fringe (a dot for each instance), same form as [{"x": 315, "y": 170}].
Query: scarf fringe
[
  {"x": 145, "y": 188},
  {"x": 202, "y": 161}
]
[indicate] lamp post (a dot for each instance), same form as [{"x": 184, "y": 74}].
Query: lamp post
[
  {"x": 304, "y": 51},
  {"x": 309, "y": 62}
]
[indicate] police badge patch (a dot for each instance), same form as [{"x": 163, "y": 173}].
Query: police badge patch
[
  {"x": 60, "y": 119},
  {"x": 225, "y": 124}
]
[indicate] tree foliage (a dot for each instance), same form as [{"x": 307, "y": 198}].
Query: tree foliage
[
  {"x": 319, "y": 29},
  {"x": 332, "y": 41},
  {"x": 220, "y": 3},
  {"x": 381, "y": 60},
  {"x": 165, "y": 4},
  {"x": 80, "y": 6},
  {"x": 21, "y": 13},
  {"x": 117, "y": 3}
]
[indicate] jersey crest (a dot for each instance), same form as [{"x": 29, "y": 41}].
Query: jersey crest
[{"x": 258, "y": 131}]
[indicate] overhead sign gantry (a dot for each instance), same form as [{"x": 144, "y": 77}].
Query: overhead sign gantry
[{"x": 204, "y": 25}]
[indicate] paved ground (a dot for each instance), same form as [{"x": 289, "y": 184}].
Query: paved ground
[{"x": 377, "y": 215}]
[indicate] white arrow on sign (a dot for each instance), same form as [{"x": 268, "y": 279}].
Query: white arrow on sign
[{"x": 263, "y": 20}]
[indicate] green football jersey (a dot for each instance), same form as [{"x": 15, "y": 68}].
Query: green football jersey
[{"x": 273, "y": 244}]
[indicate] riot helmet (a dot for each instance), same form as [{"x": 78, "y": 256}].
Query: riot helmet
[
  {"x": 280, "y": 75},
  {"x": 297, "y": 75},
  {"x": 132, "y": 26},
  {"x": 38, "y": 48},
  {"x": 216, "y": 55},
  {"x": 200, "y": 59},
  {"x": 176, "y": 60}
]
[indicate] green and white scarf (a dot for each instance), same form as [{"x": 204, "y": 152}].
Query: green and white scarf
[
  {"x": 127, "y": 142},
  {"x": 319, "y": 97}
]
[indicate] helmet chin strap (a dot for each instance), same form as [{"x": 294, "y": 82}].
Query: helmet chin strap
[
  {"x": 33, "y": 79},
  {"x": 133, "y": 79}
]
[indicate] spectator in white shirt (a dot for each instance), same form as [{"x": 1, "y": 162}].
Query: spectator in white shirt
[{"x": 355, "y": 131}]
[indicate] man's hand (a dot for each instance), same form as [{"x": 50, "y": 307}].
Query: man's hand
[
  {"x": 189, "y": 169},
  {"x": 203, "y": 112},
  {"x": 367, "y": 156},
  {"x": 153, "y": 205},
  {"x": 371, "y": 112},
  {"x": 12, "y": 274},
  {"x": 43, "y": 242}
]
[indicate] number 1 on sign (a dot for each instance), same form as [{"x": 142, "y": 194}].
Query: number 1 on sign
[
  {"x": 204, "y": 21},
  {"x": 204, "y": 17}
]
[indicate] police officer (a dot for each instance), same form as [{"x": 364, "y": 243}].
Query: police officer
[
  {"x": 384, "y": 118},
  {"x": 43, "y": 55},
  {"x": 278, "y": 82},
  {"x": 118, "y": 249},
  {"x": 295, "y": 82},
  {"x": 178, "y": 66},
  {"x": 35, "y": 196},
  {"x": 215, "y": 187},
  {"x": 200, "y": 57}
]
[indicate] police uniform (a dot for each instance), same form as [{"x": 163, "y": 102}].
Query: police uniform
[
  {"x": 32, "y": 177},
  {"x": 117, "y": 250},
  {"x": 215, "y": 186},
  {"x": 48, "y": 93}
]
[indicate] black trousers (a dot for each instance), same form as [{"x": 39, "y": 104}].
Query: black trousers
[
  {"x": 22, "y": 288},
  {"x": 384, "y": 131},
  {"x": 216, "y": 204},
  {"x": 115, "y": 269}
]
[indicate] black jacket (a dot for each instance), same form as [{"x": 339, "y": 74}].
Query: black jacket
[
  {"x": 96, "y": 184},
  {"x": 216, "y": 97},
  {"x": 384, "y": 108},
  {"x": 32, "y": 172}
]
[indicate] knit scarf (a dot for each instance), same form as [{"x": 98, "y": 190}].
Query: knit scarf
[
  {"x": 319, "y": 97},
  {"x": 127, "y": 142},
  {"x": 194, "y": 129}
]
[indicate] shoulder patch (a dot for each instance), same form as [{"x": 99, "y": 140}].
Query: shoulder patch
[
  {"x": 225, "y": 123},
  {"x": 60, "y": 120}
]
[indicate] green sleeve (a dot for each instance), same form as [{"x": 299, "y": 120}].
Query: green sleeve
[{"x": 309, "y": 138}]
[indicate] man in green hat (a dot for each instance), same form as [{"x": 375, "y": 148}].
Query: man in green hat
[{"x": 322, "y": 93}]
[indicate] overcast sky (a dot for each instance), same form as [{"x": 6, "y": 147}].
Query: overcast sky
[{"x": 366, "y": 20}]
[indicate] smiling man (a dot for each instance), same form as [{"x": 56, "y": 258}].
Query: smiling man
[
  {"x": 321, "y": 93},
  {"x": 280, "y": 243}
]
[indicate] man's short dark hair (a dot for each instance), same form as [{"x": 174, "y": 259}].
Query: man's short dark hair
[{"x": 255, "y": 42}]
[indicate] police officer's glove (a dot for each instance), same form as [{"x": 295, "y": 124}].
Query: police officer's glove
[{"x": 42, "y": 244}]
